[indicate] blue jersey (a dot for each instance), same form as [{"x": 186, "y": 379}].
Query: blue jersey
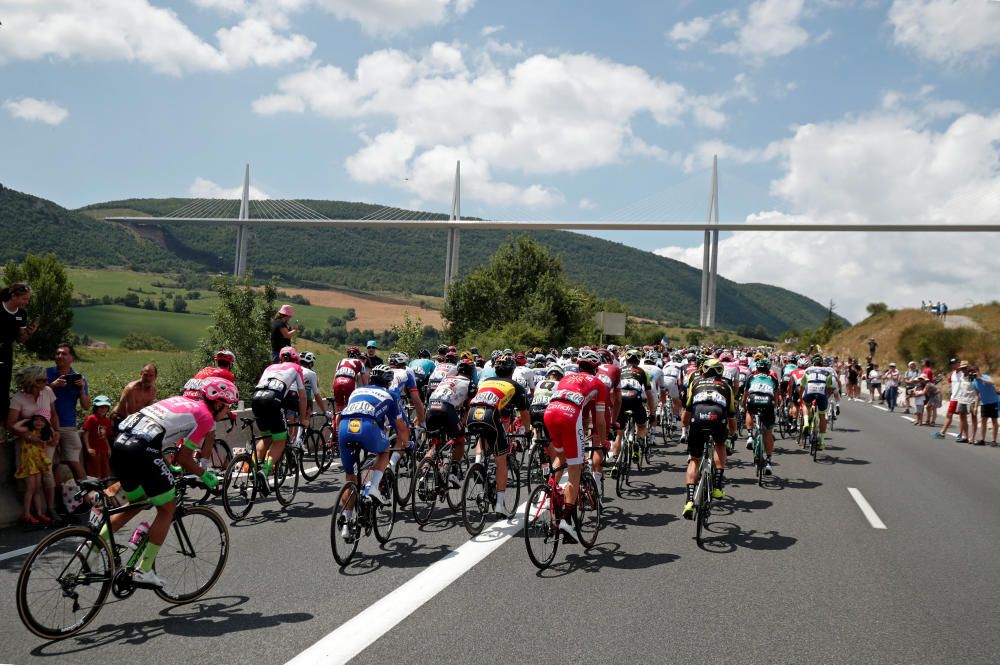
[
  {"x": 403, "y": 381},
  {"x": 374, "y": 403},
  {"x": 422, "y": 368},
  {"x": 485, "y": 373}
]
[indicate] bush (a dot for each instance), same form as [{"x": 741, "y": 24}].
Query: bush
[
  {"x": 874, "y": 308},
  {"x": 139, "y": 341},
  {"x": 180, "y": 305}
]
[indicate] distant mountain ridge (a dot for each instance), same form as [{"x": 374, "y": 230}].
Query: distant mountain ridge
[{"x": 389, "y": 260}]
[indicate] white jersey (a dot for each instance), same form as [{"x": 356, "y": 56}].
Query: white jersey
[
  {"x": 655, "y": 375},
  {"x": 311, "y": 383},
  {"x": 452, "y": 390},
  {"x": 673, "y": 372},
  {"x": 526, "y": 377},
  {"x": 441, "y": 370},
  {"x": 282, "y": 378}
]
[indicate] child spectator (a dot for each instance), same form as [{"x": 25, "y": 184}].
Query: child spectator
[
  {"x": 919, "y": 397},
  {"x": 34, "y": 432},
  {"x": 95, "y": 438}
]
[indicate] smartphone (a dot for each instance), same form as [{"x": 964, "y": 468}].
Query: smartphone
[{"x": 72, "y": 379}]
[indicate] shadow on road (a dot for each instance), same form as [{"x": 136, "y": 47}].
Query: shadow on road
[
  {"x": 604, "y": 555},
  {"x": 618, "y": 518},
  {"x": 399, "y": 552},
  {"x": 726, "y": 537},
  {"x": 209, "y": 617}
]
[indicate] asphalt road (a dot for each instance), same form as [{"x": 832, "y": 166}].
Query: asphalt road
[{"x": 792, "y": 573}]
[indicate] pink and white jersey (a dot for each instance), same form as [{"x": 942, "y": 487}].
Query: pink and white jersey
[
  {"x": 282, "y": 378},
  {"x": 180, "y": 417}
]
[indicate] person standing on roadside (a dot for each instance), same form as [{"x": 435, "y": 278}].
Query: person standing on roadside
[
  {"x": 137, "y": 395},
  {"x": 14, "y": 327},
  {"x": 872, "y": 345},
  {"x": 966, "y": 398},
  {"x": 372, "y": 361},
  {"x": 281, "y": 331},
  {"x": 954, "y": 380},
  {"x": 70, "y": 388},
  {"x": 989, "y": 403},
  {"x": 874, "y": 383},
  {"x": 910, "y": 382},
  {"x": 890, "y": 386}
]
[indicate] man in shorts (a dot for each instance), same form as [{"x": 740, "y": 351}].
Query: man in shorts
[
  {"x": 710, "y": 414},
  {"x": 759, "y": 398},
  {"x": 271, "y": 397}
]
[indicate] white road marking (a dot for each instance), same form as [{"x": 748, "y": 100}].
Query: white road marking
[
  {"x": 882, "y": 408},
  {"x": 17, "y": 553},
  {"x": 355, "y": 635},
  {"x": 912, "y": 420},
  {"x": 867, "y": 509}
]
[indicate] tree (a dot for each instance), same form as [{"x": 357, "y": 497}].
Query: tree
[
  {"x": 693, "y": 338},
  {"x": 180, "y": 305},
  {"x": 148, "y": 304},
  {"x": 51, "y": 300},
  {"x": 161, "y": 305},
  {"x": 410, "y": 334},
  {"x": 874, "y": 308},
  {"x": 241, "y": 323},
  {"x": 130, "y": 300}
]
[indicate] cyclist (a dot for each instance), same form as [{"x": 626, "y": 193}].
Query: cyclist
[
  {"x": 363, "y": 421},
  {"x": 223, "y": 369},
  {"x": 816, "y": 386},
  {"x": 656, "y": 381},
  {"x": 495, "y": 399},
  {"x": 447, "y": 409},
  {"x": 575, "y": 395},
  {"x": 709, "y": 411},
  {"x": 637, "y": 395},
  {"x": 278, "y": 387},
  {"x": 422, "y": 367},
  {"x": 543, "y": 395},
  {"x": 137, "y": 459},
  {"x": 672, "y": 378},
  {"x": 445, "y": 367},
  {"x": 760, "y": 398},
  {"x": 794, "y": 394},
  {"x": 306, "y": 360},
  {"x": 405, "y": 383},
  {"x": 351, "y": 373},
  {"x": 524, "y": 374}
]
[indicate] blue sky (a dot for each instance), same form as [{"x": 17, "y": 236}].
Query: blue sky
[{"x": 820, "y": 110}]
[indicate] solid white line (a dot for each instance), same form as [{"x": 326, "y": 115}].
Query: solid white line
[
  {"x": 352, "y": 637},
  {"x": 17, "y": 553},
  {"x": 880, "y": 407},
  {"x": 912, "y": 420},
  {"x": 867, "y": 509}
]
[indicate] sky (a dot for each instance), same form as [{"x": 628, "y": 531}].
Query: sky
[{"x": 824, "y": 111}]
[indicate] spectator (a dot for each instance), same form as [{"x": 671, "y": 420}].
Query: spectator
[
  {"x": 372, "y": 360},
  {"x": 910, "y": 383},
  {"x": 928, "y": 369},
  {"x": 937, "y": 309},
  {"x": 988, "y": 404},
  {"x": 96, "y": 429},
  {"x": 281, "y": 331},
  {"x": 944, "y": 312},
  {"x": 890, "y": 386},
  {"x": 137, "y": 395},
  {"x": 33, "y": 396},
  {"x": 954, "y": 380},
  {"x": 14, "y": 327},
  {"x": 874, "y": 383},
  {"x": 853, "y": 380},
  {"x": 872, "y": 345},
  {"x": 932, "y": 403},
  {"x": 70, "y": 387},
  {"x": 33, "y": 436},
  {"x": 965, "y": 396},
  {"x": 919, "y": 398}
]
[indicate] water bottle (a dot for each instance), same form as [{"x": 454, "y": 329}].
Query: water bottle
[{"x": 139, "y": 534}]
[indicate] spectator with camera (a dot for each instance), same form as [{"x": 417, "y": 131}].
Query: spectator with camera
[
  {"x": 70, "y": 388},
  {"x": 989, "y": 402}
]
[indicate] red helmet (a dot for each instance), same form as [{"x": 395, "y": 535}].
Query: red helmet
[
  {"x": 227, "y": 355},
  {"x": 216, "y": 388},
  {"x": 354, "y": 352},
  {"x": 520, "y": 359}
]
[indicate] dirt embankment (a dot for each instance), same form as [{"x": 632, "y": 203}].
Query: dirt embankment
[{"x": 371, "y": 314}]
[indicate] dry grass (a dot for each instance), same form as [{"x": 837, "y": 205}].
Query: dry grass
[
  {"x": 886, "y": 328},
  {"x": 371, "y": 314},
  {"x": 988, "y": 316}
]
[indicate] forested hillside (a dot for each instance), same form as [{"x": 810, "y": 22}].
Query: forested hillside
[{"x": 393, "y": 260}]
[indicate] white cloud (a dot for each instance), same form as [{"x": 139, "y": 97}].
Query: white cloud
[
  {"x": 541, "y": 115},
  {"x": 393, "y": 16},
  {"x": 586, "y": 204},
  {"x": 206, "y": 189},
  {"x": 771, "y": 30},
  {"x": 222, "y": 5},
  {"x": 703, "y": 153},
  {"x": 887, "y": 167},
  {"x": 137, "y": 31},
  {"x": 687, "y": 33},
  {"x": 947, "y": 31},
  {"x": 36, "y": 110},
  {"x": 490, "y": 30}
]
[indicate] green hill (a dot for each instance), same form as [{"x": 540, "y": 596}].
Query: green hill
[{"x": 384, "y": 260}]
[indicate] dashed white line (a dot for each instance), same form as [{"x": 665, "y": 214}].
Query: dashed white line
[
  {"x": 352, "y": 637},
  {"x": 866, "y": 508},
  {"x": 881, "y": 408}
]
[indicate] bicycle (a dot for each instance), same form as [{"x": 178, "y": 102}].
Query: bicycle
[
  {"x": 367, "y": 515},
  {"x": 703, "y": 490},
  {"x": 546, "y": 507},
  {"x": 65, "y": 581},
  {"x": 759, "y": 450},
  {"x": 479, "y": 492},
  {"x": 666, "y": 422},
  {"x": 217, "y": 460},
  {"x": 809, "y": 435},
  {"x": 317, "y": 443},
  {"x": 538, "y": 464},
  {"x": 432, "y": 480},
  {"x": 242, "y": 480},
  {"x": 405, "y": 468},
  {"x": 623, "y": 463}
]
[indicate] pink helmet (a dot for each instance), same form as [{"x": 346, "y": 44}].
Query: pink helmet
[
  {"x": 289, "y": 354},
  {"x": 216, "y": 388},
  {"x": 726, "y": 358},
  {"x": 744, "y": 362},
  {"x": 286, "y": 310}
]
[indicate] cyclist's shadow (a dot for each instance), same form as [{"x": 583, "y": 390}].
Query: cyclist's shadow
[
  {"x": 209, "y": 617},
  {"x": 726, "y": 537},
  {"x": 398, "y": 552},
  {"x": 607, "y": 554}
]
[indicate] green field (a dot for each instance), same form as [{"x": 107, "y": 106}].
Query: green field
[{"x": 111, "y": 323}]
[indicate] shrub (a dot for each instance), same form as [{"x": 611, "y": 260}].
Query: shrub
[{"x": 139, "y": 341}]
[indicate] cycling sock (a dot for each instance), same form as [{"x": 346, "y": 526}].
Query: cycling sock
[
  {"x": 690, "y": 489},
  {"x": 148, "y": 557},
  {"x": 266, "y": 468},
  {"x": 500, "y": 494},
  {"x": 718, "y": 478},
  {"x": 375, "y": 478},
  {"x": 598, "y": 476},
  {"x": 394, "y": 458}
]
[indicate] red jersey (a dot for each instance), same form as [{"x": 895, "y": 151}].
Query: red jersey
[
  {"x": 348, "y": 370},
  {"x": 193, "y": 387},
  {"x": 580, "y": 392},
  {"x": 795, "y": 378},
  {"x": 611, "y": 375}
]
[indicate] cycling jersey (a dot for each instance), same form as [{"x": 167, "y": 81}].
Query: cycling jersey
[
  {"x": 363, "y": 422},
  {"x": 447, "y": 402},
  {"x": 422, "y": 369},
  {"x": 815, "y": 385},
  {"x": 500, "y": 394},
  {"x": 526, "y": 377},
  {"x": 574, "y": 395},
  {"x": 635, "y": 383},
  {"x": 440, "y": 372},
  {"x": 345, "y": 379},
  {"x": 311, "y": 383},
  {"x": 710, "y": 402},
  {"x": 403, "y": 380},
  {"x": 656, "y": 381}
]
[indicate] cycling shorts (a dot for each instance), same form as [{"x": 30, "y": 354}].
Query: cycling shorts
[
  {"x": 138, "y": 464},
  {"x": 638, "y": 408},
  {"x": 670, "y": 385},
  {"x": 363, "y": 432},
  {"x": 486, "y": 422},
  {"x": 443, "y": 416},
  {"x": 766, "y": 412},
  {"x": 717, "y": 430},
  {"x": 818, "y": 400},
  {"x": 267, "y": 410},
  {"x": 343, "y": 386},
  {"x": 564, "y": 423}
]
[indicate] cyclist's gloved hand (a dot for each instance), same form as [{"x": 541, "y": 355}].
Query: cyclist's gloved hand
[
  {"x": 176, "y": 469},
  {"x": 210, "y": 479}
]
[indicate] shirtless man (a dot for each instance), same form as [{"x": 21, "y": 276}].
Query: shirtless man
[{"x": 137, "y": 395}]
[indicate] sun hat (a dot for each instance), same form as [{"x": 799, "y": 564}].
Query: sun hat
[
  {"x": 371, "y": 344},
  {"x": 286, "y": 310},
  {"x": 963, "y": 364}
]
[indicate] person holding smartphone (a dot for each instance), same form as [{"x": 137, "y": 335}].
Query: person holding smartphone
[
  {"x": 70, "y": 388},
  {"x": 14, "y": 327}
]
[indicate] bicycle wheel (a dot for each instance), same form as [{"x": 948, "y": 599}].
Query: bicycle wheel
[
  {"x": 538, "y": 467},
  {"x": 328, "y": 450},
  {"x": 311, "y": 447},
  {"x": 193, "y": 555},
  {"x": 475, "y": 499},
  {"x": 647, "y": 451},
  {"x": 239, "y": 487},
  {"x": 512, "y": 495},
  {"x": 425, "y": 492},
  {"x": 588, "y": 511},
  {"x": 385, "y": 514},
  {"x": 541, "y": 527},
  {"x": 701, "y": 498},
  {"x": 813, "y": 445},
  {"x": 64, "y": 583},
  {"x": 344, "y": 543},
  {"x": 220, "y": 456},
  {"x": 622, "y": 465},
  {"x": 758, "y": 459},
  {"x": 638, "y": 452},
  {"x": 454, "y": 494},
  {"x": 405, "y": 473},
  {"x": 286, "y": 476}
]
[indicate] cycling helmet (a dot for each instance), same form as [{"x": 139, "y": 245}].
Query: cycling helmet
[
  {"x": 382, "y": 375},
  {"x": 817, "y": 360},
  {"x": 424, "y": 353},
  {"x": 763, "y": 364},
  {"x": 508, "y": 351},
  {"x": 216, "y": 388},
  {"x": 466, "y": 355},
  {"x": 613, "y": 348},
  {"x": 466, "y": 368},
  {"x": 504, "y": 365},
  {"x": 588, "y": 361},
  {"x": 495, "y": 353},
  {"x": 102, "y": 400},
  {"x": 307, "y": 357},
  {"x": 568, "y": 352},
  {"x": 520, "y": 359},
  {"x": 555, "y": 369},
  {"x": 354, "y": 352},
  {"x": 452, "y": 348},
  {"x": 288, "y": 354},
  {"x": 744, "y": 362},
  {"x": 633, "y": 356},
  {"x": 803, "y": 362},
  {"x": 226, "y": 355},
  {"x": 726, "y": 358},
  {"x": 442, "y": 349},
  {"x": 712, "y": 367},
  {"x": 474, "y": 351},
  {"x": 398, "y": 359},
  {"x": 451, "y": 357}
]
